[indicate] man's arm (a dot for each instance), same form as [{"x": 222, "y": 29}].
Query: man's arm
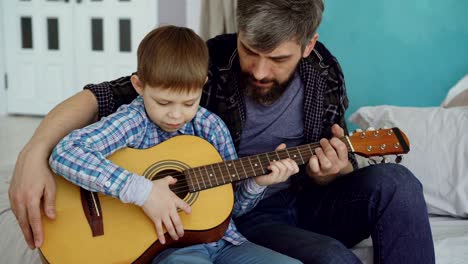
[{"x": 32, "y": 177}]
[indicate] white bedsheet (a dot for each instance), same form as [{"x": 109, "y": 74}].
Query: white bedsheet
[{"x": 450, "y": 238}]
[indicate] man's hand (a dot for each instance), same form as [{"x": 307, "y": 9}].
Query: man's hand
[
  {"x": 331, "y": 159},
  {"x": 161, "y": 207},
  {"x": 281, "y": 170},
  {"x": 32, "y": 180}
]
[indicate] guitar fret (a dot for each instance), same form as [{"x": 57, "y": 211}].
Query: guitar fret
[
  {"x": 222, "y": 174},
  {"x": 189, "y": 176},
  {"x": 260, "y": 164},
  {"x": 255, "y": 174},
  {"x": 196, "y": 178},
  {"x": 214, "y": 173},
  {"x": 310, "y": 149},
  {"x": 300, "y": 156},
  {"x": 245, "y": 172},
  {"x": 208, "y": 176},
  {"x": 277, "y": 154},
  {"x": 287, "y": 152},
  {"x": 236, "y": 174},
  {"x": 202, "y": 179}
]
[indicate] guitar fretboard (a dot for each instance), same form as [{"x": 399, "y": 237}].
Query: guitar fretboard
[{"x": 205, "y": 177}]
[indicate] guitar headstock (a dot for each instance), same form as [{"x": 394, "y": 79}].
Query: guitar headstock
[{"x": 379, "y": 142}]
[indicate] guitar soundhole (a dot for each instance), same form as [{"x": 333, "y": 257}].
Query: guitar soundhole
[
  {"x": 175, "y": 169},
  {"x": 180, "y": 187}
]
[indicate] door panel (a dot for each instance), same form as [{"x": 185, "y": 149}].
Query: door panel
[
  {"x": 55, "y": 47},
  {"x": 40, "y": 55},
  {"x": 110, "y": 32}
]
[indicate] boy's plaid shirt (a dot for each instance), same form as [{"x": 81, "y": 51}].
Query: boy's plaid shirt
[{"x": 81, "y": 156}]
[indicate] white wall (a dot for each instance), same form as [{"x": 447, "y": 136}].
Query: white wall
[
  {"x": 193, "y": 13},
  {"x": 180, "y": 13},
  {"x": 3, "y": 101}
]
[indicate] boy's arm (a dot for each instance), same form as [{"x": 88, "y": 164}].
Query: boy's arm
[{"x": 81, "y": 157}]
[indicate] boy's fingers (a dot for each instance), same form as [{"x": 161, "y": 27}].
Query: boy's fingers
[
  {"x": 182, "y": 205},
  {"x": 160, "y": 232},
  {"x": 177, "y": 223},
  {"x": 170, "y": 227},
  {"x": 170, "y": 180}
]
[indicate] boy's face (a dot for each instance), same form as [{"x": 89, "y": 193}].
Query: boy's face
[{"x": 169, "y": 109}]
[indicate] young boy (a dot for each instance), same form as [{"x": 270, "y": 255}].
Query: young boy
[{"x": 172, "y": 69}]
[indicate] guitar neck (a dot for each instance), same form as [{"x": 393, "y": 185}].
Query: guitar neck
[
  {"x": 209, "y": 176},
  {"x": 371, "y": 143}
]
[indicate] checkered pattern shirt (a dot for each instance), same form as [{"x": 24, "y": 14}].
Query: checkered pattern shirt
[{"x": 81, "y": 156}]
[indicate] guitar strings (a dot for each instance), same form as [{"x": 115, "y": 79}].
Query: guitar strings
[
  {"x": 182, "y": 178},
  {"x": 202, "y": 178}
]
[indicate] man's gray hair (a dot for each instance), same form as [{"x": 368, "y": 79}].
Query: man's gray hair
[{"x": 265, "y": 24}]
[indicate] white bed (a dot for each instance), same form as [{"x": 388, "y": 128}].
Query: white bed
[{"x": 441, "y": 167}]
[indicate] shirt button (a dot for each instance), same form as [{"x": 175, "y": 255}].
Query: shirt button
[{"x": 107, "y": 184}]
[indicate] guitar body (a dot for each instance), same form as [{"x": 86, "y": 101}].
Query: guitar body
[{"x": 129, "y": 235}]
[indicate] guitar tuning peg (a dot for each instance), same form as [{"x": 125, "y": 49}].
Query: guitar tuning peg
[
  {"x": 370, "y": 129},
  {"x": 358, "y": 130},
  {"x": 398, "y": 158},
  {"x": 384, "y": 160}
]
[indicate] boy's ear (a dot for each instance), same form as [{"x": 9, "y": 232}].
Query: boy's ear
[
  {"x": 137, "y": 84},
  {"x": 310, "y": 46}
]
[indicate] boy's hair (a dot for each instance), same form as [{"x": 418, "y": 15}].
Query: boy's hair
[
  {"x": 265, "y": 24},
  {"x": 173, "y": 57}
]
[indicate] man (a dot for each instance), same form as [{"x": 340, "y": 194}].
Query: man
[{"x": 272, "y": 83}]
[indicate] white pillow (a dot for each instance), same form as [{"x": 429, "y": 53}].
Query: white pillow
[
  {"x": 438, "y": 154},
  {"x": 458, "y": 94}
]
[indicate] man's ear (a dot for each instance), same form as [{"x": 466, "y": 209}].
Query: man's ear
[
  {"x": 137, "y": 84},
  {"x": 310, "y": 46}
]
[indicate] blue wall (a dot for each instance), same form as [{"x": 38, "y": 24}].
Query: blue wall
[{"x": 399, "y": 52}]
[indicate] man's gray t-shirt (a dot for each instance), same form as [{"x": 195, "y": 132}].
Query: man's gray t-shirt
[{"x": 268, "y": 126}]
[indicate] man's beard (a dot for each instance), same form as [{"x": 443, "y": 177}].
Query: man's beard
[{"x": 259, "y": 94}]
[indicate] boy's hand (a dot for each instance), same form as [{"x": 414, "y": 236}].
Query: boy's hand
[
  {"x": 161, "y": 207},
  {"x": 280, "y": 170}
]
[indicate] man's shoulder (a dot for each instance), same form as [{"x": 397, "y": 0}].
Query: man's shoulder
[
  {"x": 323, "y": 61},
  {"x": 321, "y": 56},
  {"x": 221, "y": 49}
]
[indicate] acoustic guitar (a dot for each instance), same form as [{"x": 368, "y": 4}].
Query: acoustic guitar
[{"x": 95, "y": 228}]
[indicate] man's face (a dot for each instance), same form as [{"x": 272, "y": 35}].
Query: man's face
[{"x": 267, "y": 74}]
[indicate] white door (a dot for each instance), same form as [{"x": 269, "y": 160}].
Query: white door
[
  {"x": 107, "y": 34},
  {"x": 55, "y": 47},
  {"x": 39, "y": 54}
]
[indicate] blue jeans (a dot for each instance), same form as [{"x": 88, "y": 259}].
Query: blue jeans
[
  {"x": 317, "y": 224},
  {"x": 223, "y": 252}
]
